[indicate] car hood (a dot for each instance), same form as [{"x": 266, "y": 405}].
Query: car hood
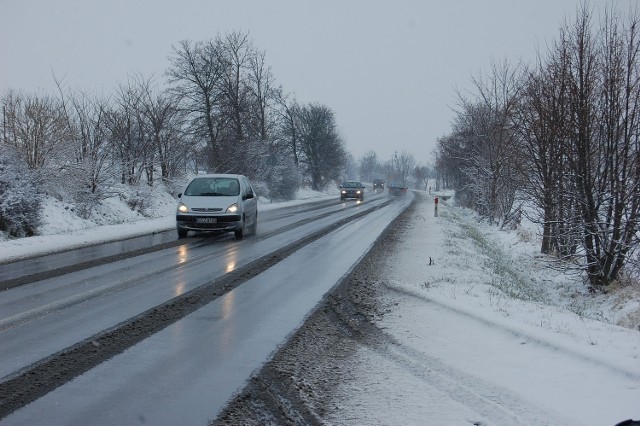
[{"x": 215, "y": 202}]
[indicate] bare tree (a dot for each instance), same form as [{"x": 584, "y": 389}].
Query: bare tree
[
  {"x": 404, "y": 166},
  {"x": 163, "y": 123},
  {"x": 196, "y": 74},
  {"x": 236, "y": 52},
  {"x": 127, "y": 136},
  {"x": 542, "y": 123},
  {"x": 369, "y": 166},
  {"x": 34, "y": 125},
  {"x": 93, "y": 164},
  {"x": 421, "y": 176},
  {"x": 605, "y": 103},
  {"x": 619, "y": 133},
  {"x": 323, "y": 154},
  {"x": 484, "y": 146},
  {"x": 289, "y": 113},
  {"x": 579, "y": 120},
  {"x": 450, "y": 155},
  {"x": 263, "y": 94}
]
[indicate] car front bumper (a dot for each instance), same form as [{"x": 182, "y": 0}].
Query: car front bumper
[
  {"x": 351, "y": 194},
  {"x": 229, "y": 222}
]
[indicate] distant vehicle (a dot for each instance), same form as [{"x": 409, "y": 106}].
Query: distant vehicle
[
  {"x": 220, "y": 203},
  {"x": 397, "y": 189},
  {"x": 352, "y": 189},
  {"x": 378, "y": 185}
]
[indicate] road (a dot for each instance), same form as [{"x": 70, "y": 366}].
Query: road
[{"x": 165, "y": 331}]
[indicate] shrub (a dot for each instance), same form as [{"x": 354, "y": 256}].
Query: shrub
[{"x": 19, "y": 198}]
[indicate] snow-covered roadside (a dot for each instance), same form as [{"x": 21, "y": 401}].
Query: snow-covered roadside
[
  {"x": 112, "y": 220},
  {"x": 486, "y": 334}
]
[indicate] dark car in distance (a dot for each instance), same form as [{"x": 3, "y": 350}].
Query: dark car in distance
[
  {"x": 378, "y": 185},
  {"x": 352, "y": 189},
  {"x": 397, "y": 189}
]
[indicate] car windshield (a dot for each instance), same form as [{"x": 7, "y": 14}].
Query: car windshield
[
  {"x": 351, "y": 185},
  {"x": 212, "y": 186}
]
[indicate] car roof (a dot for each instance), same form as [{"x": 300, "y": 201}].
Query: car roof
[{"x": 219, "y": 175}]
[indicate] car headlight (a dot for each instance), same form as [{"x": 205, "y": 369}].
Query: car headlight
[
  {"x": 357, "y": 192},
  {"x": 344, "y": 192},
  {"x": 232, "y": 208},
  {"x": 182, "y": 208}
]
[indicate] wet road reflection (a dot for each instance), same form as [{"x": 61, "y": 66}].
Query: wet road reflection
[
  {"x": 183, "y": 254},
  {"x": 231, "y": 260}
]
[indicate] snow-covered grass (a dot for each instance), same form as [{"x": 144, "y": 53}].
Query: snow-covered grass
[{"x": 514, "y": 268}]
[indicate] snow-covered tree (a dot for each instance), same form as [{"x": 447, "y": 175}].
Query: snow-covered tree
[{"x": 19, "y": 199}]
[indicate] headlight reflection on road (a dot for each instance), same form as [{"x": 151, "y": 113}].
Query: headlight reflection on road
[
  {"x": 183, "y": 254},
  {"x": 179, "y": 288},
  {"x": 231, "y": 261},
  {"x": 227, "y": 331},
  {"x": 227, "y": 305}
]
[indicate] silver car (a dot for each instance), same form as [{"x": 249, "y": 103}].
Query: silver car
[{"x": 218, "y": 202}]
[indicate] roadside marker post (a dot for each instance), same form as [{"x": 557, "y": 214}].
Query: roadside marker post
[{"x": 435, "y": 204}]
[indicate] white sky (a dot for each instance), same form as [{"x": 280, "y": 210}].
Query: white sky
[{"x": 389, "y": 69}]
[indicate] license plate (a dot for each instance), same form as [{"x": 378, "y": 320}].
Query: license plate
[{"x": 206, "y": 220}]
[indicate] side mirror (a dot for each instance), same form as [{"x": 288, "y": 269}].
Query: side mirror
[
  {"x": 180, "y": 195},
  {"x": 248, "y": 196}
]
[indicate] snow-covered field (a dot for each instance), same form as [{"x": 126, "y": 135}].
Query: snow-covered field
[
  {"x": 488, "y": 334},
  {"x": 496, "y": 279}
]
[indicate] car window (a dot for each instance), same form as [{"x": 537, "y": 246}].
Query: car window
[
  {"x": 249, "y": 188},
  {"x": 209, "y": 187}
]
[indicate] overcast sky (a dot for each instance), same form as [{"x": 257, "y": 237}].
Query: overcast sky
[{"x": 388, "y": 69}]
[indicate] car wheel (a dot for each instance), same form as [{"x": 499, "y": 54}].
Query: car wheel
[
  {"x": 182, "y": 233},
  {"x": 240, "y": 232}
]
